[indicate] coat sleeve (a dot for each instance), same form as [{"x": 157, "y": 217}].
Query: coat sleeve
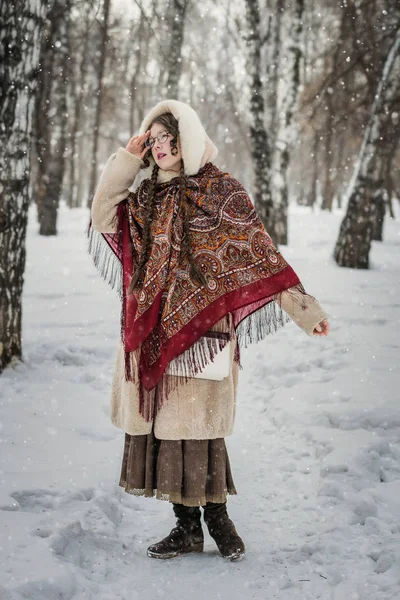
[
  {"x": 117, "y": 176},
  {"x": 302, "y": 308}
]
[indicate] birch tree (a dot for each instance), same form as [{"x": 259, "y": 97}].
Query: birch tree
[
  {"x": 174, "y": 55},
  {"x": 288, "y": 39},
  {"x": 275, "y": 82},
  {"x": 384, "y": 184},
  {"x": 21, "y": 24},
  {"x": 140, "y": 41},
  {"x": 51, "y": 115},
  {"x": 354, "y": 240},
  {"x": 259, "y": 136},
  {"x": 77, "y": 82},
  {"x": 99, "y": 99}
]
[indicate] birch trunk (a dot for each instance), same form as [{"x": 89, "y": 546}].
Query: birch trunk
[
  {"x": 384, "y": 185},
  {"x": 78, "y": 82},
  {"x": 174, "y": 56},
  {"x": 327, "y": 198},
  {"x": 259, "y": 136},
  {"x": 313, "y": 196},
  {"x": 140, "y": 40},
  {"x": 56, "y": 117},
  {"x": 354, "y": 240},
  {"x": 96, "y": 129},
  {"x": 291, "y": 25},
  {"x": 21, "y": 25}
]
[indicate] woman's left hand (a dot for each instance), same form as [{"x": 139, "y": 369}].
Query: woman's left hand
[{"x": 322, "y": 328}]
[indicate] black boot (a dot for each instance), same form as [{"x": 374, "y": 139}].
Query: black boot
[
  {"x": 223, "y": 531},
  {"x": 187, "y": 536}
]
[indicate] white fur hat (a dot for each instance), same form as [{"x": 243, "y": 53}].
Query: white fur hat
[{"x": 197, "y": 148}]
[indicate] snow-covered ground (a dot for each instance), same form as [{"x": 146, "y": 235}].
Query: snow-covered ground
[{"x": 315, "y": 453}]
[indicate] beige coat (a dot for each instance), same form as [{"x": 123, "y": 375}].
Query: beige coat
[{"x": 201, "y": 409}]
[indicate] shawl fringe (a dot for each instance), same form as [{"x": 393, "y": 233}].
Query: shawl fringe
[
  {"x": 105, "y": 260},
  {"x": 196, "y": 357},
  {"x": 267, "y": 319},
  {"x": 188, "y": 364}
]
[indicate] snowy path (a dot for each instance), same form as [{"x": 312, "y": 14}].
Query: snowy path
[{"x": 315, "y": 453}]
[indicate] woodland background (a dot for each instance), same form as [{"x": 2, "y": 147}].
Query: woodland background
[{"x": 302, "y": 98}]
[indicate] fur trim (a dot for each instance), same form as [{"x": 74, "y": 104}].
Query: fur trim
[{"x": 197, "y": 148}]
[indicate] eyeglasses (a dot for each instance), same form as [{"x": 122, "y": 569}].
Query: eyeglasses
[{"x": 161, "y": 136}]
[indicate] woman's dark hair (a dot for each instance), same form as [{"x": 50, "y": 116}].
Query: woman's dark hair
[{"x": 171, "y": 125}]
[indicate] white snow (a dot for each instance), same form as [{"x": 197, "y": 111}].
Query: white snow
[{"x": 315, "y": 453}]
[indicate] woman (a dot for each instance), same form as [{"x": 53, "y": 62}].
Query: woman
[{"x": 198, "y": 277}]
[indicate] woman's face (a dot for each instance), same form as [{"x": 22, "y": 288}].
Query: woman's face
[{"x": 162, "y": 151}]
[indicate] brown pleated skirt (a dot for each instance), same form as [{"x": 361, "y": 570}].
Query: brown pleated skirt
[{"x": 189, "y": 472}]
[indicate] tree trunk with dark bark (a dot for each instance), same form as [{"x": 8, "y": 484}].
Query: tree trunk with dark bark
[
  {"x": 96, "y": 128},
  {"x": 313, "y": 197},
  {"x": 140, "y": 40},
  {"x": 355, "y": 236},
  {"x": 384, "y": 186},
  {"x": 291, "y": 25},
  {"x": 259, "y": 136},
  {"x": 77, "y": 97},
  {"x": 56, "y": 116},
  {"x": 21, "y": 26},
  {"x": 174, "y": 57},
  {"x": 327, "y": 198}
]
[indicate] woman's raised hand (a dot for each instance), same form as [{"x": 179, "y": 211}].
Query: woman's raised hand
[
  {"x": 322, "y": 328},
  {"x": 136, "y": 145}
]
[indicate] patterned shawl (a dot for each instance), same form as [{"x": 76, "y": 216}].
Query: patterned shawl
[{"x": 168, "y": 315}]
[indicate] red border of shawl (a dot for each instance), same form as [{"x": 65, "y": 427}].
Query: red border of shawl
[{"x": 261, "y": 291}]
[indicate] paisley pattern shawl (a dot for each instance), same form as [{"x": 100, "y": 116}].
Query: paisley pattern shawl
[{"x": 168, "y": 315}]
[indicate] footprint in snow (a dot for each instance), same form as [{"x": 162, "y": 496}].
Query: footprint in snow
[
  {"x": 91, "y": 539},
  {"x": 43, "y": 500}
]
